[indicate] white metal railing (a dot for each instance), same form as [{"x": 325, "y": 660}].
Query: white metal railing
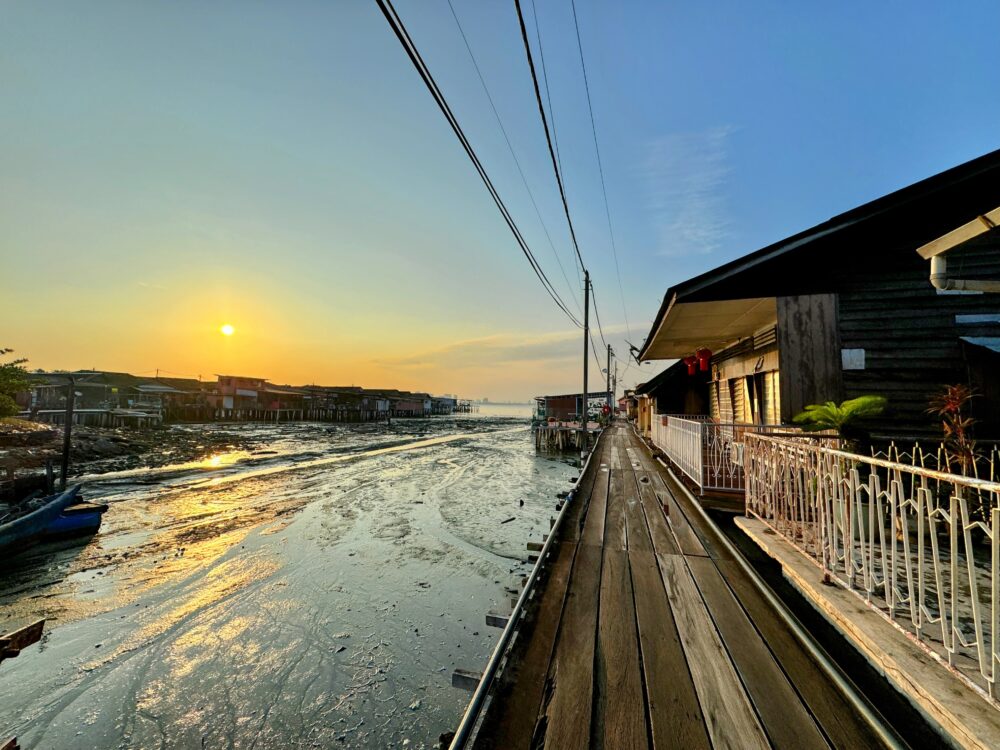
[
  {"x": 920, "y": 546},
  {"x": 681, "y": 440},
  {"x": 710, "y": 453}
]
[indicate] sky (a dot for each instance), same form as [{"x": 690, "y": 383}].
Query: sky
[{"x": 170, "y": 167}]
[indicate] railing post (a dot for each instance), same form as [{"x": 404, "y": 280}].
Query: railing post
[{"x": 995, "y": 601}]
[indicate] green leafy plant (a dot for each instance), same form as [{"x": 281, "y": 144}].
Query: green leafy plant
[
  {"x": 843, "y": 418},
  {"x": 13, "y": 380}
]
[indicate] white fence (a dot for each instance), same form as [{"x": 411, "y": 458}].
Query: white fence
[
  {"x": 918, "y": 545},
  {"x": 709, "y": 453},
  {"x": 681, "y": 440}
]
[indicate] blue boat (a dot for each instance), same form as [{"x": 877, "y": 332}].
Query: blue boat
[
  {"x": 79, "y": 519},
  {"x": 25, "y": 523}
]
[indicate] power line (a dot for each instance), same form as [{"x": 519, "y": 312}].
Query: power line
[
  {"x": 548, "y": 94},
  {"x": 411, "y": 50},
  {"x": 545, "y": 124},
  {"x": 600, "y": 328},
  {"x": 510, "y": 147},
  {"x": 600, "y": 167}
]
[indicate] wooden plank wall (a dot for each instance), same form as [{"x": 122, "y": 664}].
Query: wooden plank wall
[
  {"x": 909, "y": 331},
  {"x": 808, "y": 350}
]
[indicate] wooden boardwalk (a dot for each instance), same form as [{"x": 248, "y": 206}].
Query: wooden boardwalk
[{"x": 648, "y": 635}]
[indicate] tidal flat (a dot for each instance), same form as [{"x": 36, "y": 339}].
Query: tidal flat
[{"x": 315, "y": 591}]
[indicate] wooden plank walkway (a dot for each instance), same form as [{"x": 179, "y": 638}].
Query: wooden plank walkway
[{"x": 648, "y": 635}]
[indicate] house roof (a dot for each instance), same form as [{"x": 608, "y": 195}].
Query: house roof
[
  {"x": 910, "y": 217},
  {"x": 661, "y": 378},
  {"x": 592, "y": 394}
]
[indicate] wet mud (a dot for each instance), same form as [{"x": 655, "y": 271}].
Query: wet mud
[{"x": 315, "y": 591}]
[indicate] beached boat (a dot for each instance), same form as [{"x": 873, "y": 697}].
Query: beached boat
[
  {"x": 79, "y": 519},
  {"x": 26, "y": 522}
]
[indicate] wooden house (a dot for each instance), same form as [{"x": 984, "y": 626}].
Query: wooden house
[
  {"x": 569, "y": 406},
  {"x": 675, "y": 390},
  {"x": 443, "y": 404},
  {"x": 239, "y": 393},
  {"x": 849, "y": 307}
]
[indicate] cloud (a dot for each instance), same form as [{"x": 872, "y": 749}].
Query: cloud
[
  {"x": 493, "y": 351},
  {"x": 150, "y": 285},
  {"x": 684, "y": 174}
]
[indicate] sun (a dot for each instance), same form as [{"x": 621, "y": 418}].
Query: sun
[{"x": 227, "y": 330}]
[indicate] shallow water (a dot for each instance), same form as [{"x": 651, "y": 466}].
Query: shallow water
[{"x": 317, "y": 592}]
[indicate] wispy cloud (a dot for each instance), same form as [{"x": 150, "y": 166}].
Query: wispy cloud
[
  {"x": 150, "y": 285},
  {"x": 684, "y": 174},
  {"x": 493, "y": 351}
]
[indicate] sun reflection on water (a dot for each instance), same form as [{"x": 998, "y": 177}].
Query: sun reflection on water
[{"x": 219, "y": 460}]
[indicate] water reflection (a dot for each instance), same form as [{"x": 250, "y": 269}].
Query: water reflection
[{"x": 318, "y": 597}]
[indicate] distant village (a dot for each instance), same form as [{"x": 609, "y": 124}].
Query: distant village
[{"x": 118, "y": 399}]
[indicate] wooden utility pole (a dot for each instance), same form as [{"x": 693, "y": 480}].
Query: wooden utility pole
[
  {"x": 586, "y": 353},
  {"x": 608, "y": 371},
  {"x": 67, "y": 430},
  {"x": 614, "y": 391}
]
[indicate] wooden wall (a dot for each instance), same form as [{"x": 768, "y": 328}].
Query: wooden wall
[
  {"x": 809, "y": 352},
  {"x": 745, "y": 385},
  {"x": 909, "y": 331}
]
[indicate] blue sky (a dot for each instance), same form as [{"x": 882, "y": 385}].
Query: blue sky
[{"x": 169, "y": 166}]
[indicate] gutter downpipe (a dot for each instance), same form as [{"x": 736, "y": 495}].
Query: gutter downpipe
[
  {"x": 464, "y": 731},
  {"x": 939, "y": 279}
]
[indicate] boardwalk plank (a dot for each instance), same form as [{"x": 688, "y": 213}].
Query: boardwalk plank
[
  {"x": 636, "y": 525},
  {"x": 593, "y": 524},
  {"x": 619, "y": 709},
  {"x": 523, "y": 684},
  {"x": 660, "y": 533},
  {"x": 687, "y": 540},
  {"x": 614, "y": 530},
  {"x": 674, "y": 714},
  {"x": 729, "y": 717},
  {"x": 566, "y": 714},
  {"x": 786, "y": 721},
  {"x": 841, "y": 723},
  {"x": 573, "y": 528}
]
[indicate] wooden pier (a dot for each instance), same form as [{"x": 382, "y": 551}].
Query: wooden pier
[
  {"x": 649, "y": 634},
  {"x": 565, "y": 436}
]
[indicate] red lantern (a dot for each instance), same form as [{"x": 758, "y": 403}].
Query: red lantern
[
  {"x": 690, "y": 362},
  {"x": 704, "y": 357}
]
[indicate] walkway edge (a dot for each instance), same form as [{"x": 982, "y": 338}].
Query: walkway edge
[
  {"x": 465, "y": 730},
  {"x": 945, "y": 701},
  {"x": 830, "y": 670}
]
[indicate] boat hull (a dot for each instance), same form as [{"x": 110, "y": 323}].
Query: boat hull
[
  {"x": 29, "y": 528},
  {"x": 81, "y": 519}
]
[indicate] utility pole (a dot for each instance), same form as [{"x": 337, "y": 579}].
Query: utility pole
[
  {"x": 614, "y": 388},
  {"x": 586, "y": 352},
  {"x": 68, "y": 428},
  {"x": 608, "y": 371}
]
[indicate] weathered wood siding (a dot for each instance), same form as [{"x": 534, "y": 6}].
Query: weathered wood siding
[
  {"x": 809, "y": 352},
  {"x": 745, "y": 381},
  {"x": 909, "y": 331}
]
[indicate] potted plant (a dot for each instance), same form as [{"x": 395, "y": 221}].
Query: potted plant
[
  {"x": 842, "y": 419},
  {"x": 960, "y": 454}
]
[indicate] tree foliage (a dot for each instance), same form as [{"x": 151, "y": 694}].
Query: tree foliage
[
  {"x": 13, "y": 380},
  {"x": 842, "y": 418}
]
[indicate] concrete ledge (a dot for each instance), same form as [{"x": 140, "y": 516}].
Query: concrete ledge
[{"x": 961, "y": 712}]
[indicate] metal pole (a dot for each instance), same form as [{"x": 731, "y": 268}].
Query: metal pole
[
  {"x": 586, "y": 352},
  {"x": 67, "y": 429}
]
